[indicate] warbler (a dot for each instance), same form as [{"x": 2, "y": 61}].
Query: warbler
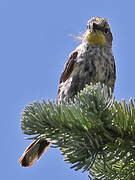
[{"x": 91, "y": 62}]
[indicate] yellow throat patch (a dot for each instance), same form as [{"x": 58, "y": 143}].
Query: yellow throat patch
[{"x": 96, "y": 38}]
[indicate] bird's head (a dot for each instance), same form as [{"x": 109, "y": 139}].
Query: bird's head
[{"x": 98, "y": 32}]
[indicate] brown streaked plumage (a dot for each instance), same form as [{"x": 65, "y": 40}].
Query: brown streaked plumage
[{"x": 93, "y": 61}]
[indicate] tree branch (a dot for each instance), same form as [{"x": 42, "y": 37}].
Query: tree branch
[{"x": 95, "y": 132}]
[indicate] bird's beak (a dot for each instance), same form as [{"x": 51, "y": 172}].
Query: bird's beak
[{"x": 96, "y": 27}]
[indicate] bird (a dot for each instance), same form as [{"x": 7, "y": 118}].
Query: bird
[{"x": 91, "y": 62}]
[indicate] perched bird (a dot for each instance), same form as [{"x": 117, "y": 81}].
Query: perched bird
[{"x": 91, "y": 62}]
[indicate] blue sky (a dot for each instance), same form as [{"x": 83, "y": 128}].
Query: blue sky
[{"x": 34, "y": 45}]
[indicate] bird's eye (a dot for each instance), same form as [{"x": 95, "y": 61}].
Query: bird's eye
[{"x": 106, "y": 30}]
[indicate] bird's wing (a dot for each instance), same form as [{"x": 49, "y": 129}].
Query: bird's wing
[{"x": 69, "y": 66}]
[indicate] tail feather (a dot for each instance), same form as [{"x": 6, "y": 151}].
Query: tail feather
[{"x": 33, "y": 152}]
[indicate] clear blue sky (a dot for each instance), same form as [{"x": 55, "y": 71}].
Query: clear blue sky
[{"x": 34, "y": 45}]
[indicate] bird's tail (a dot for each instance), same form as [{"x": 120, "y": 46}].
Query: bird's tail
[{"x": 33, "y": 152}]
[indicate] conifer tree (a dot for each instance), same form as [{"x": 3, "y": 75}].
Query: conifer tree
[{"x": 95, "y": 132}]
